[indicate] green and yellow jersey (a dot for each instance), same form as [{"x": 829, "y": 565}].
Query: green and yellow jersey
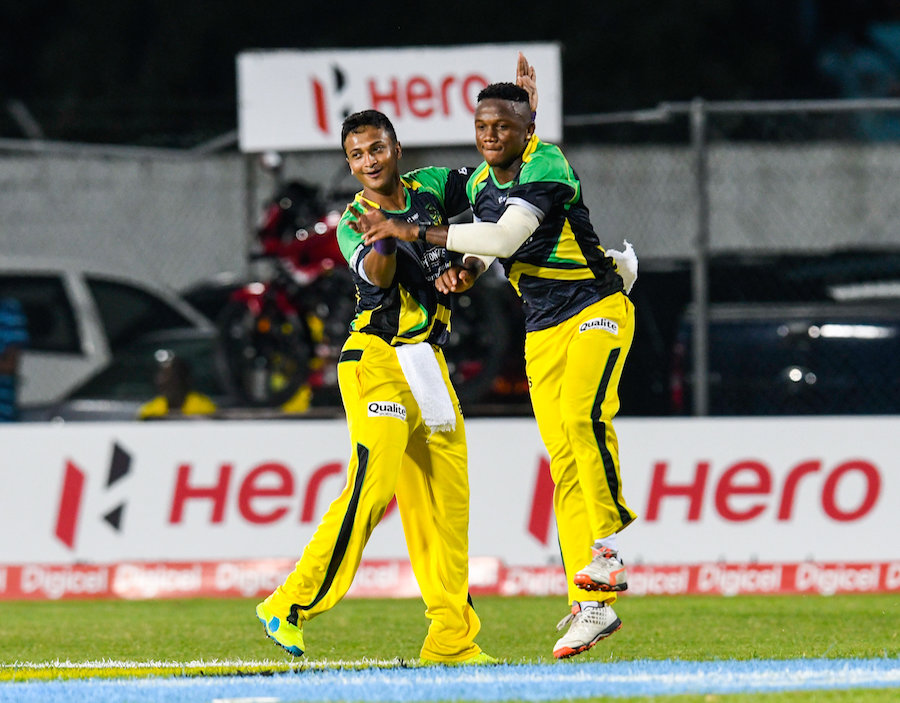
[
  {"x": 411, "y": 310},
  {"x": 561, "y": 268}
]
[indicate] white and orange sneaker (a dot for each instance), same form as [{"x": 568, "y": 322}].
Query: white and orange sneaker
[
  {"x": 606, "y": 572},
  {"x": 589, "y": 622}
]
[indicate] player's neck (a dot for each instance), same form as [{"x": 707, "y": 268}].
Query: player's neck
[
  {"x": 390, "y": 199},
  {"x": 505, "y": 174}
]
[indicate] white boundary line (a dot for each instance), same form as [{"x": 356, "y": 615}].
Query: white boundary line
[{"x": 500, "y": 683}]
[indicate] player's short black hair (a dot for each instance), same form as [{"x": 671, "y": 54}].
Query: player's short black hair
[
  {"x": 367, "y": 118},
  {"x": 504, "y": 91}
]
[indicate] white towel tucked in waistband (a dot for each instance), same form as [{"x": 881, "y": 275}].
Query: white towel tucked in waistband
[
  {"x": 626, "y": 263},
  {"x": 420, "y": 366}
]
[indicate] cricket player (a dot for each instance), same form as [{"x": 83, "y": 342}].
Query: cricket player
[
  {"x": 406, "y": 427},
  {"x": 529, "y": 211}
]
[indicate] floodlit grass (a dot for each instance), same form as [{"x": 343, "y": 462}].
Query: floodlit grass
[
  {"x": 519, "y": 630},
  {"x": 170, "y": 633}
]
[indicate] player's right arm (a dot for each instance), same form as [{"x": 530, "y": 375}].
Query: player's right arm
[
  {"x": 380, "y": 266},
  {"x": 376, "y": 263},
  {"x": 500, "y": 238}
]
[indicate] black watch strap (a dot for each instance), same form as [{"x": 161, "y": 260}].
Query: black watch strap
[{"x": 423, "y": 229}]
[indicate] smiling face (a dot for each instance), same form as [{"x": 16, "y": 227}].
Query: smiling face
[
  {"x": 502, "y": 131},
  {"x": 373, "y": 157}
]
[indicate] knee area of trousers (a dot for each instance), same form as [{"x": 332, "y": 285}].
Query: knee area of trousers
[
  {"x": 575, "y": 424},
  {"x": 378, "y": 498}
]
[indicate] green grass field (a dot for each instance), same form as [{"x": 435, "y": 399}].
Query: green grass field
[{"x": 518, "y": 630}]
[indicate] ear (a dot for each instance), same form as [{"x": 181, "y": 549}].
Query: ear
[
  {"x": 399, "y": 151},
  {"x": 529, "y": 132}
]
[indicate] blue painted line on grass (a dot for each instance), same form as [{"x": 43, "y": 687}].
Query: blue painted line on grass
[{"x": 496, "y": 683}]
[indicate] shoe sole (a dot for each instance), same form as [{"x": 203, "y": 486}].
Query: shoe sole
[
  {"x": 566, "y": 652},
  {"x": 292, "y": 650},
  {"x": 586, "y": 583}
]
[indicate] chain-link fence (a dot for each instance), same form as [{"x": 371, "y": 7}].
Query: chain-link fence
[
  {"x": 772, "y": 284},
  {"x": 769, "y": 241}
]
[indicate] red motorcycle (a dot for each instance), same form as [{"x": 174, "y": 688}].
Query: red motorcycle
[{"x": 281, "y": 336}]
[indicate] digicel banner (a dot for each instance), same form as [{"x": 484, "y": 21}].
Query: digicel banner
[
  {"x": 393, "y": 578},
  {"x": 296, "y": 100},
  {"x": 719, "y": 491}
]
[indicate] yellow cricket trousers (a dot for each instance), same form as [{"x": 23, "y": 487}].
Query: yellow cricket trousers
[
  {"x": 393, "y": 455},
  {"x": 573, "y": 373}
]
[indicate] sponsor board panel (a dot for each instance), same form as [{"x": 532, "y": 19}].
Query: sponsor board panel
[
  {"x": 766, "y": 489},
  {"x": 292, "y": 100},
  {"x": 393, "y": 578},
  {"x": 706, "y": 491}
]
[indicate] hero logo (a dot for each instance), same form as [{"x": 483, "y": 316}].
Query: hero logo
[
  {"x": 401, "y": 97},
  {"x": 70, "y": 500},
  {"x": 267, "y": 494},
  {"x": 746, "y": 490},
  {"x": 599, "y": 323},
  {"x": 387, "y": 409}
]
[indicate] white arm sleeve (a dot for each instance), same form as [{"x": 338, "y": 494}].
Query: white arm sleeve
[
  {"x": 500, "y": 238},
  {"x": 486, "y": 260}
]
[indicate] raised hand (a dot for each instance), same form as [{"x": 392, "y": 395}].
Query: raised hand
[{"x": 526, "y": 78}]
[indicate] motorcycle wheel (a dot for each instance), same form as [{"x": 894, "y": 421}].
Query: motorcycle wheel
[{"x": 264, "y": 359}]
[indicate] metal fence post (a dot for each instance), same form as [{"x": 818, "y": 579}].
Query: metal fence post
[
  {"x": 251, "y": 207},
  {"x": 699, "y": 278}
]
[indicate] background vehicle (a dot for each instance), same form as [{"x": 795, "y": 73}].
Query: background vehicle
[
  {"x": 788, "y": 335},
  {"x": 117, "y": 391},
  {"x": 286, "y": 328},
  {"x": 78, "y": 316},
  {"x": 795, "y": 359}
]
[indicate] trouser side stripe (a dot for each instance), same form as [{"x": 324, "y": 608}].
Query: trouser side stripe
[
  {"x": 609, "y": 467},
  {"x": 343, "y": 539}
]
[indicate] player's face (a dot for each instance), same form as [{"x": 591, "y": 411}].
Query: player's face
[
  {"x": 373, "y": 157},
  {"x": 502, "y": 131}
]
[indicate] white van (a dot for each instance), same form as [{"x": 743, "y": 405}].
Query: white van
[{"x": 78, "y": 315}]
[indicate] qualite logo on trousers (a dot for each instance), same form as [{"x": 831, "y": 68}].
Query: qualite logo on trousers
[
  {"x": 387, "y": 409},
  {"x": 599, "y": 323}
]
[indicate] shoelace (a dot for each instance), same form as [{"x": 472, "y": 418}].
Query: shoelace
[
  {"x": 590, "y": 614},
  {"x": 606, "y": 556},
  {"x": 565, "y": 621}
]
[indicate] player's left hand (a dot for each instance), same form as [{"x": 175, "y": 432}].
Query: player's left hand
[
  {"x": 526, "y": 78},
  {"x": 456, "y": 279}
]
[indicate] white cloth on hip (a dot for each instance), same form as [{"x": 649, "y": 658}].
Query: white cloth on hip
[
  {"x": 626, "y": 263},
  {"x": 423, "y": 374}
]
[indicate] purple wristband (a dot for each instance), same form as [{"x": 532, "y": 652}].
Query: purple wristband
[{"x": 386, "y": 246}]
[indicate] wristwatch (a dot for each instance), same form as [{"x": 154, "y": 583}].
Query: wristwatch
[{"x": 423, "y": 228}]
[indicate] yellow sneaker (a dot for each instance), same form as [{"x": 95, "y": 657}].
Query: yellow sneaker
[
  {"x": 480, "y": 659},
  {"x": 286, "y": 635}
]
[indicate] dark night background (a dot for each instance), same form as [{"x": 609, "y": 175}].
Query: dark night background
[{"x": 162, "y": 72}]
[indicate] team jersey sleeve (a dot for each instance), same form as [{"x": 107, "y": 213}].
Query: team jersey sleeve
[
  {"x": 348, "y": 240},
  {"x": 546, "y": 179},
  {"x": 447, "y": 185},
  {"x": 455, "y": 194}
]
